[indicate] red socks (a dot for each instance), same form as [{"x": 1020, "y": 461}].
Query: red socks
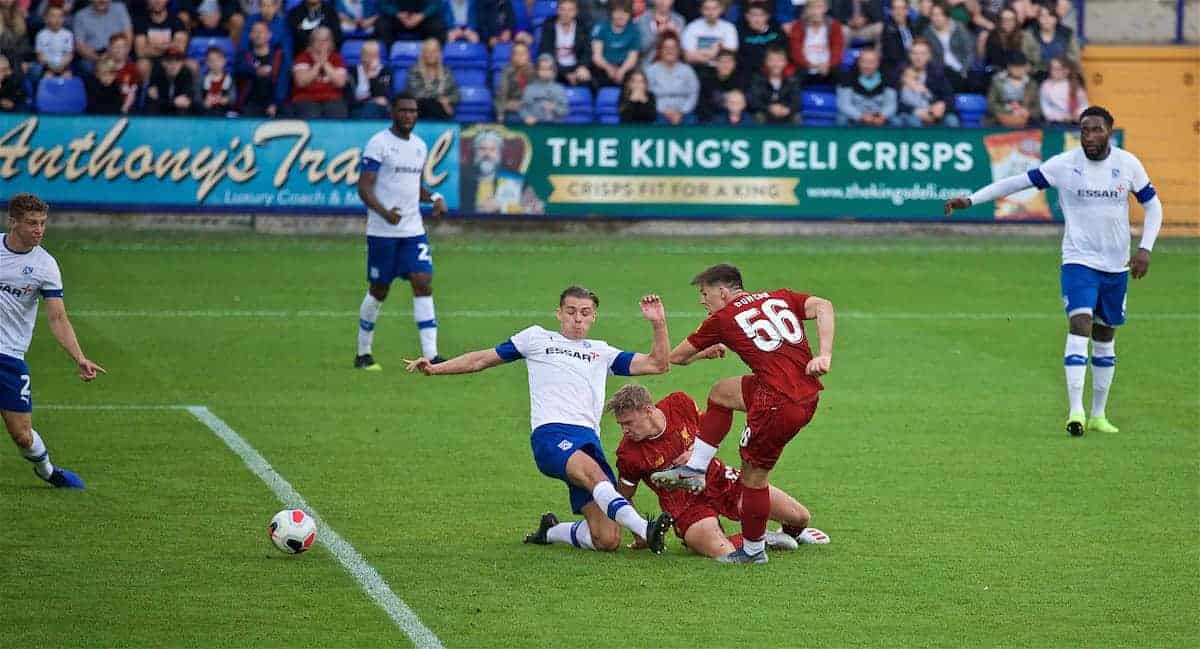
[
  {"x": 715, "y": 423},
  {"x": 756, "y": 508}
]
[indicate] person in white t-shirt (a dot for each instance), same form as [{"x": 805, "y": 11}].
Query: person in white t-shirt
[
  {"x": 1094, "y": 182},
  {"x": 567, "y": 375},
  {"x": 29, "y": 274},
  {"x": 397, "y": 246},
  {"x": 55, "y": 45},
  {"x": 706, "y": 36}
]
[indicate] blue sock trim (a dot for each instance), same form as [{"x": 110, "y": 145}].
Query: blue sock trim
[
  {"x": 615, "y": 506},
  {"x": 366, "y": 325},
  {"x": 427, "y": 324},
  {"x": 574, "y": 536},
  {"x": 39, "y": 458},
  {"x": 1104, "y": 361},
  {"x": 1075, "y": 360}
]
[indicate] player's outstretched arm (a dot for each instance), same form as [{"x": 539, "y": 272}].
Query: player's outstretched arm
[
  {"x": 822, "y": 310},
  {"x": 998, "y": 189},
  {"x": 658, "y": 360},
  {"x": 64, "y": 333},
  {"x": 465, "y": 364}
]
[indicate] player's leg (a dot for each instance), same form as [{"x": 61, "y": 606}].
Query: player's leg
[
  {"x": 33, "y": 448},
  {"x": 419, "y": 269},
  {"x": 585, "y": 472},
  {"x": 381, "y": 263},
  {"x": 706, "y": 537},
  {"x": 1110, "y": 314},
  {"x": 795, "y": 518},
  {"x": 725, "y": 396},
  {"x": 1081, "y": 291},
  {"x": 594, "y": 532}
]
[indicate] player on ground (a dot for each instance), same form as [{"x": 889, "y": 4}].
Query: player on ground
[
  {"x": 27, "y": 273},
  {"x": 390, "y": 186},
  {"x": 660, "y": 435},
  {"x": 764, "y": 329},
  {"x": 567, "y": 374},
  {"x": 1094, "y": 183}
]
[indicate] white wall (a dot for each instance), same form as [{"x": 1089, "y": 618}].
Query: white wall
[{"x": 1139, "y": 21}]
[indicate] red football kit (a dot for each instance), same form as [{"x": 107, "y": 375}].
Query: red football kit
[
  {"x": 766, "y": 331},
  {"x": 637, "y": 460}
]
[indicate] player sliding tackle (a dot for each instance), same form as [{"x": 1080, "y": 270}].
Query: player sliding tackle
[
  {"x": 1094, "y": 183},
  {"x": 567, "y": 374},
  {"x": 764, "y": 329}
]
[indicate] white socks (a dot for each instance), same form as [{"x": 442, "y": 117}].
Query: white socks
[
  {"x": 619, "y": 509},
  {"x": 1075, "y": 364},
  {"x": 37, "y": 454},
  {"x": 702, "y": 454},
  {"x": 423, "y": 314},
  {"x": 577, "y": 534},
  {"x": 754, "y": 547},
  {"x": 367, "y": 314},
  {"x": 1104, "y": 365}
]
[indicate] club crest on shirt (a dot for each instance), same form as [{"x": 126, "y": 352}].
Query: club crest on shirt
[
  {"x": 27, "y": 271},
  {"x": 1116, "y": 172}
]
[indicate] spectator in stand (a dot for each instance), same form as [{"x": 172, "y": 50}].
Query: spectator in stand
[
  {"x": 310, "y": 15},
  {"x": 660, "y": 18},
  {"x": 926, "y": 97},
  {"x": 636, "y": 104},
  {"x": 372, "y": 84},
  {"x": 432, "y": 84},
  {"x": 862, "y": 20},
  {"x": 93, "y": 25},
  {"x": 594, "y": 12},
  {"x": 952, "y": 47},
  {"x": 568, "y": 41},
  {"x": 216, "y": 86},
  {"x": 817, "y": 45},
  {"x": 1067, "y": 16},
  {"x": 262, "y": 71},
  {"x": 43, "y": 7},
  {"x": 707, "y": 35},
  {"x": 171, "y": 86},
  {"x": 1026, "y": 11},
  {"x": 129, "y": 77},
  {"x": 500, "y": 24},
  {"x": 863, "y": 99},
  {"x": 1050, "y": 40},
  {"x": 689, "y": 9},
  {"x": 1062, "y": 94},
  {"x": 774, "y": 94},
  {"x": 12, "y": 89},
  {"x": 154, "y": 31},
  {"x": 103, "y": 91},
  {"x": 208, "y": 20},
  {"x": 14, "y": 36},
  {"x": 615, "y": 46},
  {"x": 920, "y": 22},
  {"x": 461, "y": 18},
  {"x": 410, "y": 19},
  {"x": 276, "y": 21},
  {"x": 319, "y": 79},
  {"x": 757, "y": 32},
  {"x": 735, "y": 110},
  {"x": 55, "y": 47},
  {"x": 896, "y": 39},
  {"x": 1013, "y": 96},
  {"x": 357, "y": 17},
  {"x": 517, "y": 74},
  {"x": 999, "y": 44},
  {"x": 544, "y": 99},
  {"x": 713, "y": 87},
  {"x": 673, "y": 82}
]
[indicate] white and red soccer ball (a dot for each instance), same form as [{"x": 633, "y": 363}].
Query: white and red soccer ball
[{"x": 292, "y": 531}]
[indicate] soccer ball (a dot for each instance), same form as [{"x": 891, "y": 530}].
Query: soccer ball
[{"x": 292, "y": 531}]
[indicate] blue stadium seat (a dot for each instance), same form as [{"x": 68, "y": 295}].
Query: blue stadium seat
[
  {"x": 464, "y": 54},
  {"x": 399, "y": 77},
  {"x": 970, "y": 109},
  {"x": 469, "y": 76},
  {"x": 579, "y": 96},
  {"x": 543, "y": 9},
  {"x": 58, "y": 95},
  {"x": 850, "y": 57},
  {"x": 474, "y": 98},
  {"x": 405, "y": 53},
  {"x": 609, "y": 119},
  {"x": 291, "y": 4},
  {"x": 579, "y": 106},
  {"x": 197, "y": 48},
  {"x": 606, "y": 101},
  {"x": 496, "y": 76},
  {"x": 501, "y": 54},
  {"x": 574, "y": 117},
  {"x": 818, "y": 108},
  {"x": 351, "y": 51}
]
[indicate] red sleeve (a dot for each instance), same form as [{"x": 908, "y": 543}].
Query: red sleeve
[
  {"x": 707, "y": 335},
  {"x": 797, "y": 43},
  {"x": 798, "y": 300},
  {"x": 837, "y": 44}
]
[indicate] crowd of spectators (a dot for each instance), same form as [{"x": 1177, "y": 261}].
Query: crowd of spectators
[{"x": 884, "y": 62}]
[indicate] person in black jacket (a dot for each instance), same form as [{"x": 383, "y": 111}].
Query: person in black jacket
[
  {"x": 370, "y": 84},
  {"x": 774, "y": 93},
  {"x": 725, "y": 77},
  {"x": 862, "y": 20},
  {"x": 568, "y": 40},
  {"x": 896, "y": 39},
  {"x": 171, "y": 86},
  {"x": 757, "y": 32},
  {"x": 307, "y": 16},
  {"x": 104, "y": 96},
  {"x": 637, "y": 105},
  {"x": 263, "y": 74},
  {"x": 12, "y": 88},
  {"x": 924, "y": 94}
]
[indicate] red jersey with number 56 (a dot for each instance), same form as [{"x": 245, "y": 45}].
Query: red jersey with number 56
[{"x": 766, "y": 331}]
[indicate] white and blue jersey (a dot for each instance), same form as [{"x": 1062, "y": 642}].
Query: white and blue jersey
[
  {"x": 25, "y": 278},
  {"x": 402, "y": 249},
  {"x": 1094, "y": 196},
  {"x": 566, "y": 398}
]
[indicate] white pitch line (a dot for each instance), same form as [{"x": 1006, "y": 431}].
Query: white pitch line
[
  {"x": 354, "y": 563},
  {"x": 511, "y": 313}
]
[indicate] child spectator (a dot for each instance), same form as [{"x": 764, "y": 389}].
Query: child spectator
[
  {"x": 432, "y": 84},
  {"x": 262, "y": 71},
  {"x": 171, "y": 86},
  {"x": 1062, "y": 94},
  {"x": 863, "y": 99},
  {"x": 216, "y": 88},
  {"x": 735, "y": 110},
  {"x": 462, "y": 20},
  {"x": 318, "y": 78},
  {"x": 774, "y": 93},
  {"x": 616, "y": 45},
  {"x": 568, "y": 41},
  {"x": 707, "y": 35},
  {"x": 637, "y": 105},
  {"x": 55, "y": 46},
  {"x": 1013, "y": 95},
  {"x": 12, "y": 90},
  {"x": 517, "y": 74},
  {"x": 544, "y": 100},
  {"x": 358, "y": 17},
  {"x": 757, "y": 32},
  {"x": 281, "y": 32},
  {"x": 104, "y": 95},
  {"x": 673, "y": 82},
  {"x": 817, "y": 43},
  {"x": 129, "y": 77},
  {"x": 372, "y": 84},
  {"x": 929, "y": 99}
]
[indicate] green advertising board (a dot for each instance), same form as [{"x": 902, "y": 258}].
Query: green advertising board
[{"x": 778, "y": 173}]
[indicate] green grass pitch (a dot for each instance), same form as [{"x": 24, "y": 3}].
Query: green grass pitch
[{"x": 961, "y": 513}]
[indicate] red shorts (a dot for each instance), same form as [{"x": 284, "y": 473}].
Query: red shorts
[
  {"x": 772, "y": 420},
  {"x": 722, "y": 497}
]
